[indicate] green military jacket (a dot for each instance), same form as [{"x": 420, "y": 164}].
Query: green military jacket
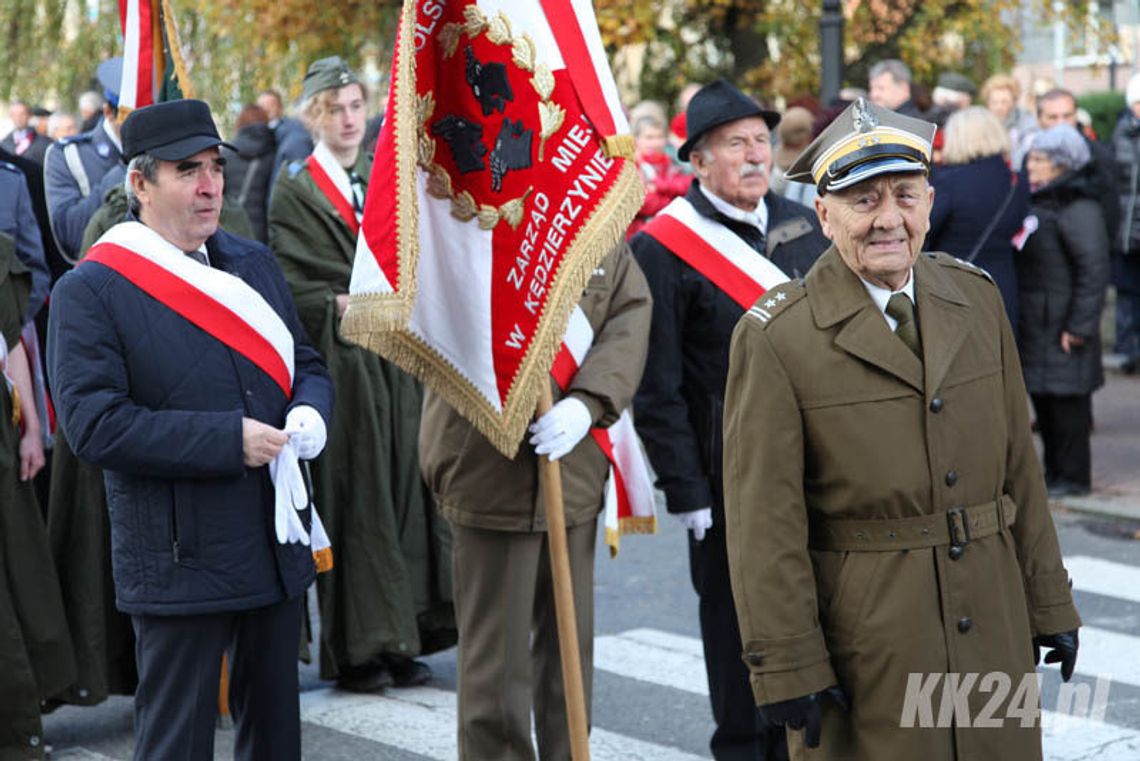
[
  {"x": 830, "y": 418},
  {"x": 35, "y": 649},
  {"x": 389, "y": 590}
]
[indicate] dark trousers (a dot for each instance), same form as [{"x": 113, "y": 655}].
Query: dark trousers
[
  {"x": 741, "y": 734},
  {"x": 1065, "y": 422},
  {"x": 180, "y": 659}
]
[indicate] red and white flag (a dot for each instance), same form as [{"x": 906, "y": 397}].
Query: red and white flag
[
  {"x": 150, "y": 37},
  {"x": 500, "y": 181}
]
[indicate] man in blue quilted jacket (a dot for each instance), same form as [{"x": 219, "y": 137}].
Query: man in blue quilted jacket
[{"x": 181, "y": 369}]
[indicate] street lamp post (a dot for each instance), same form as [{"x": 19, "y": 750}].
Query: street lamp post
[{"x": 831, "y": 50}]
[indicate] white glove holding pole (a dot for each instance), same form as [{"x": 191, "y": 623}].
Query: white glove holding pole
[
  {"x": 697, "y": 521},
  {"x": 558, "y": 431},
  {"x": 307, "y": 431}
]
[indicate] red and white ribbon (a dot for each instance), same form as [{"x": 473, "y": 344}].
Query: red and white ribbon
[
  {"x": 629, "y": 497},
  {"x": 333, "y": 182}
]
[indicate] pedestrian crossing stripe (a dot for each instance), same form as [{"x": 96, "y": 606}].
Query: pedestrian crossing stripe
[{"x": 1103, "y": 577}]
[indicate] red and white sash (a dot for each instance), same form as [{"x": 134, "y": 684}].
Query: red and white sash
[
  {"x": 715, "y": 251},
  {"x": 630, "y": 504},
  {"x": 225, "y": 307},
  {"x": 333, "y": 182}
]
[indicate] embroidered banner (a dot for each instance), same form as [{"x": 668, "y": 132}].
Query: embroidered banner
[{"x": 501, "y": 194}]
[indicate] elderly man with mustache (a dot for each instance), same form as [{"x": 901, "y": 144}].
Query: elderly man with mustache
[{"x": 707, "y": 257}]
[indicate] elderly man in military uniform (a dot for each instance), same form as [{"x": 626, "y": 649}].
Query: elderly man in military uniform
[
  {"x": 706, "y": 257},
  {"x": 887, "y": 517},
  {"x": 78, "y": 171}
]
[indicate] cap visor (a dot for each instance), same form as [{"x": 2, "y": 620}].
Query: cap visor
[{"x": 871, "y": 169}]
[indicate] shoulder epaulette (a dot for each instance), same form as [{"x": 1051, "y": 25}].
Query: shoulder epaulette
[
  {"x": 947, "y": 260},
  {"x": 775, "y": 301},
  {"x": 83, "y": 137}
]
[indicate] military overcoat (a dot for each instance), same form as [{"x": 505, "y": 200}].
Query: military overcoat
[
  {"x": 846, "y": 462},
  {"x": 389, "y": 591}
]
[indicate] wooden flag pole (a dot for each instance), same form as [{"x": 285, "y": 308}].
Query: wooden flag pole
[{"x": 550, "y": 475}]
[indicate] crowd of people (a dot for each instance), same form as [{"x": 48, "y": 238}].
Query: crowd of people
[{"x": 141, "y": 533}]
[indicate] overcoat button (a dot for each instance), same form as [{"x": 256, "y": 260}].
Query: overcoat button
[
  {"x": 936, "y": 404},
  {"x": 964, "y": 624},
  {"x": 755, "y": 659},
  {"x": 952, "y": 478},
  {"x": 955, "y": 552}
]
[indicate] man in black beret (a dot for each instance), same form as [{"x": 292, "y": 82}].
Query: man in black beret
[
  {"x": 707, "y": 257},
  {"x": 181, "y": 368}
]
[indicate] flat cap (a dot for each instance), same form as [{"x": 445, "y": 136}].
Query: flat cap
[
  {"x": 716, "y": 104},
  {"x": 170, "y": 131},
  {"x": 952, "y": 80},
  {"x": 864, "y": 141},
  {"x": 326, "y": 74}
]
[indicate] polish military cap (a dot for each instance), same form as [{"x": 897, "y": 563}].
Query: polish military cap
[
  {"x": 110, "y": 76},
  {"x": 326, "y": 74},
  {"x": 716, "y": 104},
  {"x": 864, "y": 141},
  {"x": 171, "y": 131}
]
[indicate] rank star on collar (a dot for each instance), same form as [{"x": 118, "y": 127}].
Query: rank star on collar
[{"x": 775, "y": 300}]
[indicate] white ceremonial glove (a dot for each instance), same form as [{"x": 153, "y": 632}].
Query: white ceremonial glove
[
  {"x": 697, "y": 521},
  {"x": 307, "y": 431},
  {"x": 558, "y": 431},
  {"x": 290, "y": 496}
]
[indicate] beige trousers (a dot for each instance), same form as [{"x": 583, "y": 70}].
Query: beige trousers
[{"x": 508, "y": 641}]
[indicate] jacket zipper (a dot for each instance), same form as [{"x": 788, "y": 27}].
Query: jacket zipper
[{"x": 174, "y": 526}]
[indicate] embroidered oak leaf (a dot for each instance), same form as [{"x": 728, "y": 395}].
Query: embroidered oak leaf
[
  {"x": 543, "y": 81},
  {"x": 550, "y": 116},
  {"x": 512, "y": 211},
  {"x": 449, "y": 38},
  {"x": 488, "y": 217},
  {"x": 463, "y": 207},
  {"x": 474, "y": 21},
  {"x": 524, "y": 53},
  {"x": 499, "y": 29},
  {"x": 425, "y": 106},
  {"x": 439, "y": 183},
  {"x": 427, "y": 150}
]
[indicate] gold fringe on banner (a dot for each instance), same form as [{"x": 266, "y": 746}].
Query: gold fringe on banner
[
  {"x": 181, "y": 74},
  {"x": 634, "y": 524}
]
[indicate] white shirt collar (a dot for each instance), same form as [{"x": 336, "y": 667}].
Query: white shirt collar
[
  {"x": 882, "y": 295},
  {"x": 111, "y": 135},
  {"x": 758, "y": 218}
]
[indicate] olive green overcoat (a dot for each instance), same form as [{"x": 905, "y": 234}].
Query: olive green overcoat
[
  {"x": 35, "y": 651},
  {"x": 830, "y": 417},
  {"x": 389, "y": 591}
]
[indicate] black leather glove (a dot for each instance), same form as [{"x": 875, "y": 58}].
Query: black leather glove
[
  {"x": 804, "y": 712},
  {"x": 1062, "y": 649}
]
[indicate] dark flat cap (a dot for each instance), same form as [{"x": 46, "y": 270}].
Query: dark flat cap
[
  {"x": 952, "y": 80},
  {"x": 716, "y": 104},
  {"x": 326, "y": 74},
  {"x": 863, "y": 142},
  {"x": 170, "y": 131}
]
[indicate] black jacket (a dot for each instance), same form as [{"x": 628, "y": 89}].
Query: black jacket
[
  {"x": 248, "y": 171},
  {"x": 158, "y": 404},
  {"x": 1126, "y": 143},
  {"x": 1062, "y": 274},
  {"x": 966, "y": 199},
  {"x": 679, "y": 406}
]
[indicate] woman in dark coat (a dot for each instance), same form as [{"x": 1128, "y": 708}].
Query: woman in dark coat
[
  {"x": 1062, "y": 275},
  {"x": 249, "y": 170},
  {"x": 970, "y": 190}
]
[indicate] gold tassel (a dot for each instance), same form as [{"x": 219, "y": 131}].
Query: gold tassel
[
  {"x": 323, "y": 559},
  {"x": 16, "y": 417},
  {"x": 618, "y": 146}
]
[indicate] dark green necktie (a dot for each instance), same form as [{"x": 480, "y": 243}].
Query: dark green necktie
[{"x": 901, "y": 308}]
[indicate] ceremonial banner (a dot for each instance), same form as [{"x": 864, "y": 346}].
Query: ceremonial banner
[
  {"x": 498, "y": 185},
  {"x": 149, "y": 40}
]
